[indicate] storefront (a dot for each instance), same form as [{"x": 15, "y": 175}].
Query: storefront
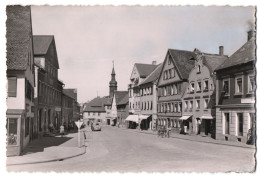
[{"x": 15, "y": 118}]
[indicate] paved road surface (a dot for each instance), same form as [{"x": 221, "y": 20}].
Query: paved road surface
[{"x": 121, "y": 150}]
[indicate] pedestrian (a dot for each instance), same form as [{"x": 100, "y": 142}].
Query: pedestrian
[{"x": 62, "y": 130}]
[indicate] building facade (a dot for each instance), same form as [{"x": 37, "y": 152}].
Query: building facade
[
  {"x": 172, "y": 83},
  {"x": 67, "y": 109},
  {"x": 20, "y": 76},
  {"x": 148, "y": 99},
  {"x": 235, "y": 97},
  {"x": 139, "y": 73},
  {"x": 72, "y": 92},
  {"x": 48, "y": 88},
  {"x": 198, "y": 102}
]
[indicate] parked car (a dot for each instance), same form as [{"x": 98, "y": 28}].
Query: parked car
[{"x": 96, "y": 126}]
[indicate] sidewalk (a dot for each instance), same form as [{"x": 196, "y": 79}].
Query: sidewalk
[
  {"x": 195, "y": 138},
  {"x": 47, "y": 149}
]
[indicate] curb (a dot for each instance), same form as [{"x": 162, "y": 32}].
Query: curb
[
  {"x": 241, "y": 146},
  {"x": 50, "y": 160}
]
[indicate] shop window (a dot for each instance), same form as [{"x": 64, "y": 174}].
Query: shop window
[
  {"x": 239, "y": 85},
  {"x": 12, "y": 86},
  {"x": 251, "y": 83},
  {"x": 240, "y": 123},
  {"x": 12, "y": 131},
  {"x": 227, "y": 123}
]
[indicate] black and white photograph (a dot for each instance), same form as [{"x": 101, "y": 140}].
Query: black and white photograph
[{"x": 129, "y": 88}]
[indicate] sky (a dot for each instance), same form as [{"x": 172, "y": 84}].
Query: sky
[{"x": 89, "y": 38}]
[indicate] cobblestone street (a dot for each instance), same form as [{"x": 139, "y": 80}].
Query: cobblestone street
[{"x": 122, "y": 150}]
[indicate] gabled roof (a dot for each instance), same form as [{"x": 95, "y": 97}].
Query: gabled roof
[
  {"x": 213, "y": 61},
  {"x": 41, "y": 45},
  {"x": 120, "y": 95},
  {"x": 183, "y": 62},
  {"x": 154, "y": 75},
  {"x": 97, "y": 104},
  {"x": 18, "y": 35},
  {"x": 72, "y": 92},
  {"x": 124, "y": 100},
  {"x": 243, "y": 55},
  {"x": 145, "y": 69}
]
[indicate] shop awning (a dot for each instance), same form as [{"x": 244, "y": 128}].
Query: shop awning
[
  {"x": 141, "y": 117},
  {"x": 133, "y": 118},
  {"x": 206, "y": 117},
  {"x": 185, "y": 117}
]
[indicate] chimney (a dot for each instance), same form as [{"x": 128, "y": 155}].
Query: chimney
[
  {"x": 221, "y": 50},
  {"x": 250, "y": 34},
  {"x": 154, "y": 63}
]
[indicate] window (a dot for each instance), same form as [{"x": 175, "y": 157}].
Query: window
[
  {"x": 251, "y": 83},
  {"x": 192, "y": 87},
  {"x": 206, "y": 85},
  {"x": 186, "y": 105},
  {"x": 176, "y": 107},
  {"x": 172, "y": 90},
  {"x": 191, "y": 104},
  {"x": 151, "y": 106},
  {"x": 175, "y": 89},
  {"x": 199, "y": 86},
  {"x": 227, "y": 122},
  {"x": 98, "y": 113},
  {"x": 198, "y": 69},
  {"x": 240, "y": 124},
  {"x": 141, "y": 92},
  {"x": 172, "y": 107},
  {"x": 27, "y": 122},
  {"x": 180, "y": 107},
  {"x": 12, "y": 131},
  {"x": 206, "y": 102},
  {"x": 239, "y": 85},
  {"x": 169, "y": 60},
  {"x": 130, "y": 105},
  {"x": 94, "y": 113},
  {"x": 88, "y": 113},
  {"x": 198, "y": 104},
  {"x": 164, "y": 91},
  {"x": 173, "y": 72},
  {"x": 12, "y": 86},
  {"x": 226, "y": 86}
]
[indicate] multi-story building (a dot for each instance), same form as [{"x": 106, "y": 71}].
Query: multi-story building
[
  {"x": 72, "y": 92},
  {"x": 119, "y": 110},
  {"x": 20, "y": 75},
  {"x": 95, "y": 110},
  {"x": 48, "y": 89},
  {"x": 172, "y": 84},
  {"x": 148, "y": 99},
  {"x": 67, "y": 109},
  {"x": 235, "y": 97},
  {"x": 198, "y": 101},
  {"x": 139, "y": 73}
]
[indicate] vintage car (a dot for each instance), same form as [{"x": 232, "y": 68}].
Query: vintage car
[{"x": 96, "y": 126}]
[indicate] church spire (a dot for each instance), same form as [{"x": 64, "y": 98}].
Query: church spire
[{"x": 112, "y": 83}]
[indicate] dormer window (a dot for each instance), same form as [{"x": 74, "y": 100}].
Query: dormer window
[
  {"x": 199, "y": 87},
  {"x": 169, "y": 60},
  {"x": 206, "y": 85}
]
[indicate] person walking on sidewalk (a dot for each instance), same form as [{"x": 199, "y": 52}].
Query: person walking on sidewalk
[{"x": 62, "y": 130}]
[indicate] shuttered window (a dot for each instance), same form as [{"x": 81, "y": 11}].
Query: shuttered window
[{"x": 12, "y": 86}]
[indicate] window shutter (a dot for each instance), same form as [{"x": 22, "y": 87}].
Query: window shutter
[{"x": 12, "y": 86}]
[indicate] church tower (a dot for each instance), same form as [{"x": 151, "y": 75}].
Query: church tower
[{"x": 112, "y": 83}]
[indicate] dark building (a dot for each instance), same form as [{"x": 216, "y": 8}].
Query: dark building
[
  {"x": 235, "y": 96},
  {"x": 72, "y": 92},
  {"x": 48, "y": 89},
  {"x": 67, "y": 109},
  {"x": 20, "y": 116}
]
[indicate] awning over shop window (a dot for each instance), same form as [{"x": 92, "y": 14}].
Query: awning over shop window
[
  {"x": 133, "y": 118},
  {"x": 141, "y": 117},
  {"x": 185, "y": 117},
  {"x": 206, "y": 117}
]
